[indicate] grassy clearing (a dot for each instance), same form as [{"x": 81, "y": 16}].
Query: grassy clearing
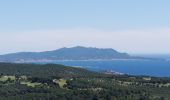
[
  {"x": 5, "y": 78},
  {"x": 23, "y": 77},
  {"x": 147, "y": 78},
  {"x": 164, "y": 85},
  {"x": 61, "y": 82},
  {"x": 30, "y": 84}
]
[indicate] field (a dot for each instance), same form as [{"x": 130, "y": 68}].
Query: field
[
  {"x": 60, "y": 82},
  {"x": 30, "y": 84},
  {"x": 5, "y": 78}
]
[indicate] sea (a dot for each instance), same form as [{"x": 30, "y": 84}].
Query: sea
[{"x": 157, "y": 68}]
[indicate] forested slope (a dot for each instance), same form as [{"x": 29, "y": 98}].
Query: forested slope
[{"x": 58, "y": 82}]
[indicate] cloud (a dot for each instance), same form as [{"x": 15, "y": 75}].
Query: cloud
[{"x": 131, "y": 41}]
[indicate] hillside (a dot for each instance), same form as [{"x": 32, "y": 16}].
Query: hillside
[
  {"x": 45, "y": 71},
  {"x": 74, "y": 53},
  {"x": 58, "y": 82}
]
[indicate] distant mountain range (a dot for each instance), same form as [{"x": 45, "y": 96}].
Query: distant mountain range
[{"x": 74, "y": 53}]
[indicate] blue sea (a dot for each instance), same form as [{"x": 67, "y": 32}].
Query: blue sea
[{"x": 159, "y": 68}]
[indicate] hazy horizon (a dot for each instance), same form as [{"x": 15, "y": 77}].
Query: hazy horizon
[{"x": 134, "y": 27}]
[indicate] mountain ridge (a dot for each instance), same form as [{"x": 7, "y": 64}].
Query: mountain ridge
[{"x": 73, "y": 53}]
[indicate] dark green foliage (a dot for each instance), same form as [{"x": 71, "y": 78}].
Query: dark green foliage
[
  {"x": 80, "y": 84},
  {"x": 44, "y": 71}
]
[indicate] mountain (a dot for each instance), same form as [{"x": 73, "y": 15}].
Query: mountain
[{"x": 74, "y": 53}]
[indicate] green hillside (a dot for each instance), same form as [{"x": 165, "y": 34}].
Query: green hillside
[{"x": 58, "y": 82}]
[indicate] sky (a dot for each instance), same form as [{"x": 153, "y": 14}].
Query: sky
[{"x": 132, "y": 26}]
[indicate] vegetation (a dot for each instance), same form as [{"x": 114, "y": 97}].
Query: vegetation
[{"x": 58, "y": 82}]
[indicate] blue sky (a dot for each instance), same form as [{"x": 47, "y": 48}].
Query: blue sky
[{"x": 78, "y": 22}]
